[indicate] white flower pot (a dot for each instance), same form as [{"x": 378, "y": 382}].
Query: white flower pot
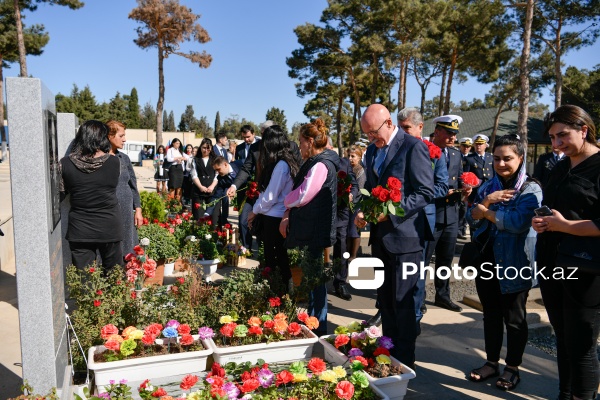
[
  {"x": 392, "y": 386},
  {"x": 152, "y": 367},
  {"x": 209, "y": 267},
  {"x": 274, "y": 352},
  {"x": 169, "y": 269}
]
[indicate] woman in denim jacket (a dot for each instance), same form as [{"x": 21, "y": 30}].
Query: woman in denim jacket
[{"x": 501, "y": 217}]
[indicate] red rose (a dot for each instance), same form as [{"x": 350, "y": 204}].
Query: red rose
[
  {"x": 395, "y": 196},
  {"x": 316, "y": 365},
  {"x": 227, "y": 226},
  {"x": 129, "y": 257},
  {"x": 159, "y": 393},
  {"x": 250, "y": 385},
  {"x": 341, "y": 340},
  {"x": 384, "y": 195},
  {"x": 186, "y": 339},
  {"x": 284, "y": 377},
  {"x": 294, "y": 329},
  {"x": 196, "y": 206},
  {"x": 344, "y": 390},
  {"x": 394, "y": 183},
  {"x": 97, "y": 303},
  {"x": 375, "y": 192},
  {"x": 253, "y": 185},
  {"x": 342, "y": 174},
  {"x": 138, "y": 250},
  {"x": 275, "y": 301},
  {"x": 184, "y": 329},
  {"x": 188, "y": 381}
]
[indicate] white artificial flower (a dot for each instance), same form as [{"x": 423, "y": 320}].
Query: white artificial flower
[
  {"x": 145, "y": 242},
  {"x": 191, "y": 238},
  {"x": 208, "y": 236}
]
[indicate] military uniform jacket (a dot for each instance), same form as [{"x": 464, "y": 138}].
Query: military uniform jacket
[
  {"x": 483, "y": 168},
  {"x": 446, "y": 207}
]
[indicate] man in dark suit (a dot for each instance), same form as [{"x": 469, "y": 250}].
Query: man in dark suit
[
  {"x": 242, "y": 151},
  {"x": 226, "y": 173},
  {"x": 446, "y": 208},
  {"x": 480, "y": 163},
  {"x": 544, "y": 165},
  {"x": 397, "y": 240},
  {"x": 221, "y": 145},
  {"x": 465, "y": 147}
]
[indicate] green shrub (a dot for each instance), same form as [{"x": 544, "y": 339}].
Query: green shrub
[
  {"x": 162, "y": 243},
  {"x": 153, "y": 206}
]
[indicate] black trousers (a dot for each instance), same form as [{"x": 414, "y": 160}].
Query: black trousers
[
  {"x": 276, "y": 255},
  {"x": 443, "y": 244},
  {"x": 462, "y": 221},
  {"x": 339, "y": 248},
  {"x": 245, "y": 234},
  {"x": 501, "y": 310},
  {"x": 83, "y": 254},
  {"x": 576, "y": 328},
  {"x": 198, "y": 212}
]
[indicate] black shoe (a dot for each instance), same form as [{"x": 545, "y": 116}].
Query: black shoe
[
  {"x": 375, "y": 320},
  {"x": 341, "y": 291},
  {"x": 424, "y": 309},
  {"x": 447, "y": 304}
]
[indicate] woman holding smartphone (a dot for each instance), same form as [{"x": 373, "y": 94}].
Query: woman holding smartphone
[
  {"x": 573, "y": 195},
  {"x": 501, "y": 218}
]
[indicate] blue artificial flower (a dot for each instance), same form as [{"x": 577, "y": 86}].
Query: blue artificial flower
[{"x": 170, "y": 332}]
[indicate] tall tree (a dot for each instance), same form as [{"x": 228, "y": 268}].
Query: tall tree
[
  {"x": 166, "y": 25},
  {"x": 188, "y": 122},
  {"x": 524, "y": 71},
  {"x": 34, "y": 39},
  {"x": 552, "y": 20},
  {"x": 165, "y": 121},
  {"x": 148, "y": 117},
  {"x": 117, "y": 108},
  {"x": 133, "y": 110},
  {"x": 278, "y": 116},
  {"x": 203, "y": 128},
  {"x": 582, "y": 88},
  {"x": 171, "y": 125},
  {"x": 217, "y": 123},
  {"x": 31, "y": 6}
]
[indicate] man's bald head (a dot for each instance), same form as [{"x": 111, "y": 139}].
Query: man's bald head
[{"x": 377, "y": 123}]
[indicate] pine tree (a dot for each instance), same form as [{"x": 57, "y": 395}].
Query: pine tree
[
  {"x": 165, "y": 121},
  {"x": 276, "y": 115},
  {"x": 171, "y": 122},
  {"x": 217, "y": 123},
  {"x": 133, "y": 110}
]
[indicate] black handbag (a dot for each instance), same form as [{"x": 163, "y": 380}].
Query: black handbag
[
  {"x": 167, "y": 164},
  {"x": 475, "y": 253},
  {"x": 581, "y": 252}
]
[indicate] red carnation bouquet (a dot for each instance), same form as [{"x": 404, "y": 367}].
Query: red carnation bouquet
[
  {"x": 469, "y": 179},
  {"x": 344, "y": 186},
  {"x": 434, "y": 151},
  {"x": 382, "y": 200}
]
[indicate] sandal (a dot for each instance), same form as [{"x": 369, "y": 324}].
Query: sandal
[
  {"x": 510, "y": 383},
  {"x": 482, "y": 378}
]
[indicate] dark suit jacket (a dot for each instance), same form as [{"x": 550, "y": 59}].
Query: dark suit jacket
[
  {"x": 240, "y": 151},
  {"x": 343, "y": 212},
  {"x": 408, "y": 160},
  {"x": 544, "y": 165},
  {"x": 440, "y": 189},
  {"x": 446, "y": 207},
  {"x": 206, "y": 175},
  {"x": 217, "y": 150}
]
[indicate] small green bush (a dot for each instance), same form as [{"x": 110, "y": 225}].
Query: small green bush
[
  {"x": 163, "y": 244},
  {"x": 153, "y": 206}
]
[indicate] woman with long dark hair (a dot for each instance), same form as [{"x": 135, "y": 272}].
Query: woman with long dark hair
[
  {"x": 178, "y": 159},
  {"x": 312, "y": 207},
  {"x": 90, "y": 174},
  {"x": 161, "y": 176},
  {"x": 203, "y": 176},
  {"x": 276, "y": 169},
  {"x": 573, "y": 194},
  {"x": 501, "y": 218}
]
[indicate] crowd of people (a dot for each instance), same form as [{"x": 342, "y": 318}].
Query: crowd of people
[{"x": 515, "y": 220}]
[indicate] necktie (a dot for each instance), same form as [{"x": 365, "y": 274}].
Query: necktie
[
  {"x": 246, "y": 153},
  {"x": 224, "y": 152},
  {"x": 379, "y": 160}
]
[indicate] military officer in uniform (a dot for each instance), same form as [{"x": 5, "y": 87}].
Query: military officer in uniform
[
  {"x": 480, "y": 163},
  {"x": 446, "y": 208},
  {"x": 465, "y": 148}
]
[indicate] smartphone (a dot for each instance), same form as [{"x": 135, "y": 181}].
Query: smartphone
[{"x": 543, "y": 211}]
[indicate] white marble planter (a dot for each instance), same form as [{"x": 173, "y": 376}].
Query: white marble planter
[
  {"x": 208, "y": 268},
  {"x": 392, "y": 386},
  {"x": 169, "y": 269},
  {"x": 151, "y": 367},
  {"x": 283, "y": 351}
]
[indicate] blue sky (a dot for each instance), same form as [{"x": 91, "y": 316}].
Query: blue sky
[{"x": 250, "y": 42}]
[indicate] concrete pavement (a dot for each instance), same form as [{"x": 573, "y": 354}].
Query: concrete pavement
[{"x": 451, "y": 344}]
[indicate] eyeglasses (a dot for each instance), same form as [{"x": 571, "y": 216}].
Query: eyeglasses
[{"x": 373, "y": 133}]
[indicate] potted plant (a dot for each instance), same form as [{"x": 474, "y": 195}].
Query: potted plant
[
  {"x": 236, "y": 254},
  {"x": 163, "y": 245},
  {"x": 366, "y": 349},
  {"x": 153, "y": 206},
  {"x": 208, "y": 256}
]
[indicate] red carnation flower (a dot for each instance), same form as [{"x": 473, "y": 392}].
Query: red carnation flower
[
  {"x": 344, "y": 390},
  {"x": 184, "y": 329},
  {"x": 186, "y": 339},
  {"x": 275, "y": 301},
  {"x": 97, "y": 303},
  {"x": 250, "y": 385},
  {"x": 159, "y": 393},
  {"x": 316, "y": 365},
  {"x": 469, "y": 179},
  {"x": 188, "y": 381},
  {"x": 138, "y": 250},
  {"x": 341, "y": 340},
  {"x": 284, "y": 377},
  {"x": 227, "y": 329},
  {"x": 294, "y": 329}
]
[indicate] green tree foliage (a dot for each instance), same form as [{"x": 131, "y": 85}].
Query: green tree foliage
[
  {"x": 133, "y": 110},
  {"x": 171, "y": 125},
  {"x": 34, "y": 40},
  {"x": 217, "y": 122},
  {"x": 203, "y": 128},
  {"x": 165, "y": 121},
  {"x": 582, "y": 88},
  {"x": 81, "y": 103},
  {"x": 148, "y": 117},
  {"x": 278, "y": 116},
  {"x": 166, "y": 24},
  {"x": 232, "y": 125},
  {"x": 117, "y": 108},
  {"x": 188, "y": 121},
  {"x": 557, "y": 24}
]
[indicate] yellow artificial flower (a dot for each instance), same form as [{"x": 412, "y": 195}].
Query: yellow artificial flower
[
  {"x": 340, "y": 371},
  {"x": 328, "y": 376},
  {"x": 300, "y": 378},
  {"x": 355, "y": 326},
  {"x": 226, "y": 319},
  {"x": 383, "y": 359},
  {"x": 136, "y": 335},
  {"x": 127, "y": 332}
]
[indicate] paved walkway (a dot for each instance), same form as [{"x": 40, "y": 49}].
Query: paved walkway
[{"x": 451, "y": 344}]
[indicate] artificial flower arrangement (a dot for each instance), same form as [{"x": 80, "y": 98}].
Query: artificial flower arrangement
[
  {"x": 236, "y": 254},
  {"x": 344, "y": 187},
  {"x": 382, "y": 200},
  {"x": 268, "y": 327},
  {"x": 366, "y": 348},
  {"x": 139, "y": 266},
  {"x": 134, "y": 342}
]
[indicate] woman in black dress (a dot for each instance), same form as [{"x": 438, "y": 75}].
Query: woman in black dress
[
  {"x": 90, "y": 174},
  {"x": 177, "y": 158},
  {"x": 573, "y": 305},
  {"x": 161, "y": 176},
  {"x": 203, "y": 177},
  {"x": 127, "y": 192}
]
